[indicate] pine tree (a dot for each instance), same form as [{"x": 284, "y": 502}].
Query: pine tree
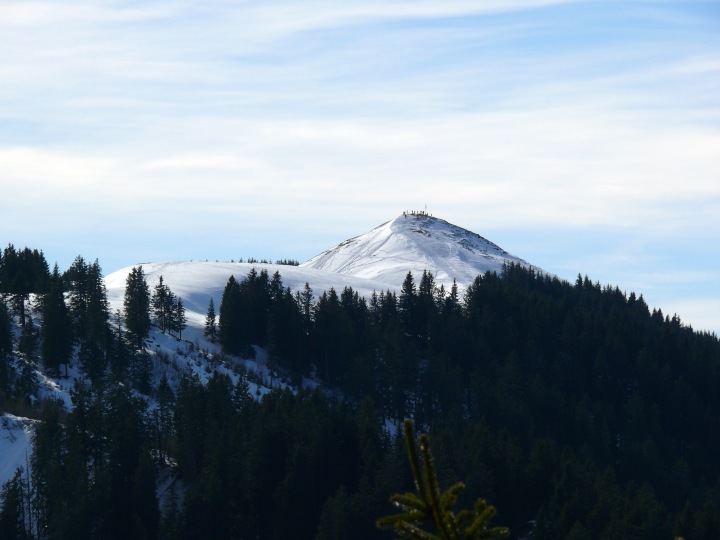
[
  {"x": 90, "y": 314},
  {"x": 162, "y": 304},
  {"x": 139, "y": 370},
  {"x": 276, "y": 288},
  {"x": 170, "y": 313},
  {"x": 118, "y": 354},
  {"x": 57, "y": 339},
  {"x": 426, "y": 303},
  {"x": 191, "y": 424},
  {"x": 76, "y": 282},
  {"x": 210, "y": 331},
  {"x": 452, "y": 302},
  {"x": 305, "y": 302},
  {"x": 178, "y": 320},
  {"x": 22, "y": 272},
  {"x": 164, "y": 414},
  {"x": 407, "y": 305},
  {"x": 229, "y": 325},
  {"x": 26, "y": 383},
  {"x": 127, "y": 503},
  {"x": 286, "y": 336},
  {"x": 329, "y": 337},
  {"x": 48, "y": 473},
  {"x": 137, "y": 306},
  {"x": 98, "y": 310},
  {"x": 255, "y": 306},
  {"x": 14, "y": 511},
  {"x": 6, "y": 345}
]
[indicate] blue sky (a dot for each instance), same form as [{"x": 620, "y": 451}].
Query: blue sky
[{"x": 583, "y": 136}]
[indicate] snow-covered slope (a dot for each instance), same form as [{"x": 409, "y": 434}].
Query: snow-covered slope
[
  {"x": 197, "y": 282},
  {"x": 414, "y": 242}
]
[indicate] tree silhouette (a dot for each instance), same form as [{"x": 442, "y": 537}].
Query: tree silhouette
[
  {"x": 137, "y": 306},
  {"x": 210, "y": 331}
]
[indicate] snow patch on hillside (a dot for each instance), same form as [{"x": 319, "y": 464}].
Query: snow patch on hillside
[{"x": 15, "y": 444}]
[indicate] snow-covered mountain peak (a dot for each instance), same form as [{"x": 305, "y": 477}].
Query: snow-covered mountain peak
[
  {"x": 414, "y": 242},
  {"x": 375, "y": 261}
]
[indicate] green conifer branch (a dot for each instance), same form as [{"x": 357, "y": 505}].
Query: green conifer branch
[
  {"x": 432, "y": 507},
  {"x": 415, "y": 461},
  {"x": 409, "y": 501}
]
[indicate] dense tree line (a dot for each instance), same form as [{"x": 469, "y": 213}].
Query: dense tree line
[
  {"x": 571, "y": 407},
  {"x": 616, "y": 391},
  {"x": 265, "y": 469}
]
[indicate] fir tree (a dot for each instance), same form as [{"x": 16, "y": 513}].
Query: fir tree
[
  {"x": 98, "y": 311},
  {"x": 22, "y": 272},
  {"x": 164, "y": 415},
  {"x": 76, "y": 282},
  {"x": 163, "y": 301},
  {"x": 139, "y": 370},
  {"x": 27, "y": 380},
  {"x": 305, "y": 301},
  {"x": 48, "y": 473},
  {"x": 14, "y": 511},
  {"x": 6, "y": 346},
  {"x": 119, "y": 356},
  {"x": 230, "y": 326},
  {"x": 90, "y": 313},
  {"x": 407, "y": 305},
  {"x": 210, "y": 331},
  {"x": 452, "y": 302},
  {"x": 57, "y": 339},
  {"x": 178, "y": 320},
  {"x": 137, "y": 306}
]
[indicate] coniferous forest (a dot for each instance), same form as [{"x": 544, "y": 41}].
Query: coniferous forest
[{"x": 572, "y": 408}]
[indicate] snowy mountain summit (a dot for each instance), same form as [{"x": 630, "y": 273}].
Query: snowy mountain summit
[
  {"x": 414, "y": 242},
  {"x": 375, "y": 261}
]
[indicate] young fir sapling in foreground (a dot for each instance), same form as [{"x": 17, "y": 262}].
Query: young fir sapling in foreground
[{"x": 433, "y": 509}]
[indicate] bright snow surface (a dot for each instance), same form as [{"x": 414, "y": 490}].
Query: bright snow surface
[{"x": 414, "y": 242}]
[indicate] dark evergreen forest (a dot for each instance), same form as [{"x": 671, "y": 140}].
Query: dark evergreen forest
[{"x": 571, "y": 407}]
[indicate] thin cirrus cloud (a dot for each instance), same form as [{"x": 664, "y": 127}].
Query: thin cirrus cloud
[{"x": 517, "y": 119}]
